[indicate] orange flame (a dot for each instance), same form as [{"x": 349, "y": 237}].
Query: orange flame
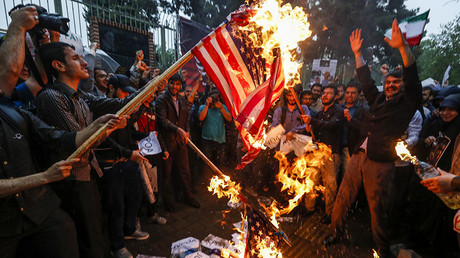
[
  {"x": 376, "y": 255},
  {"x": 280, "y": 26},
  {"x": 403, "y": 152},
  {"x": 225, "y": 187},
  {"x": 298, "y": 178}
]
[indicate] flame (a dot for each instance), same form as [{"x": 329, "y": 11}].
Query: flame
[
  {"x": 403, "y": 152},
  {"x": 298, "y": 178},
  {"x": 376, "y": 255},
  {"x": 279, "y": 26},
  {"x": 266, "y": 250},
  {"x": 225, "y": 187}
]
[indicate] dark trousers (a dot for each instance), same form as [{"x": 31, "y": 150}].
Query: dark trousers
[
  {"x": 122, "y": 192},
  {"x": 178, "y": 155},
  {"x": 55, "y": 237},
  {"x": 378, "y": 179},
  {"x": 81, "y": 200},
  {"x": 215, "y": 152}
]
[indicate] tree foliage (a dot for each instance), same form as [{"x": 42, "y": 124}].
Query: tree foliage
[
  {"x": 207, "y": 12},
  {"x": 332, "y": 22},
  {"x": 439, "y": 51}
]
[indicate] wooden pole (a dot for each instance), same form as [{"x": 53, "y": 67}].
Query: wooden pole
[{"x": 134, "y": 104}]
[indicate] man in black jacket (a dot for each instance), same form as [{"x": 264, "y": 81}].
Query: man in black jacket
[
  {"x": 172, "y": 112},
  {"x": 372, "y": 164}
]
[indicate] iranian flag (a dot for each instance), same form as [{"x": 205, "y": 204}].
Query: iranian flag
[{"x": 412, "y": 28}]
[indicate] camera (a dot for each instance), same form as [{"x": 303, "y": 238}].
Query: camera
[
  {"x": 215, "y": 99},
  {"x": 51, "y": 21}
]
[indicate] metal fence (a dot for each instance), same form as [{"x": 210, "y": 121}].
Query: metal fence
[{"x": 164, "y": 32}]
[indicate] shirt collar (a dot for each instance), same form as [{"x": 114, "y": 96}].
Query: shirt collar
[{"x": 64, "y": 88}]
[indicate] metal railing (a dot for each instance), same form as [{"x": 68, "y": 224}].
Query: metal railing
[{"x": 164, "y": 30}]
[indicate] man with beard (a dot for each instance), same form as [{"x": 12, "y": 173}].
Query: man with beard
[
  {"x": 289, "y": 115},
  {"x": 316, "y": 104},
  {"x": 101, "y": 80},
  {"x": 373, "y": 162},
  {"x": 327, "y": 127},
  {"x": 340, "y": 98},
  {"x": 172, "y": 112}
]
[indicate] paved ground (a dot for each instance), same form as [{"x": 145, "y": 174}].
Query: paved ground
[{"x": 215, "y": 217}]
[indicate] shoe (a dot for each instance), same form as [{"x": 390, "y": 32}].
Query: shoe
[
  {"x": 194, "y": 203},
  {"x": 332, "y": 239},
  {"x": 138, "y": 235},
  {"x": 169, "y": 207},
  {"x": 326, "y": 219},
  {"x": 157, "y": 219},
  {"x": 122, "y": 253}
]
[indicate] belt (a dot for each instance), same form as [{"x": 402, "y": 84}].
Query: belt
[{"x": 362, "y": 150}]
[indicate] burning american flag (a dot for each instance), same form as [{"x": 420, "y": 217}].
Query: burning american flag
[{"x": 249, "y": 59}]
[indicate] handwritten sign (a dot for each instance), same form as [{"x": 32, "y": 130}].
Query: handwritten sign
[
  {"x": 274, "y": 136},
  {"x": 150, "y": 145}
]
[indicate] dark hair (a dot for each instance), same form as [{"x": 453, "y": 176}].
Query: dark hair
[
  {"x": 340, "y": 85},
  {"x": 306, "y": 92},
  {"x": 175, "y": 77},
  {"x": 395, "y": 73},
  {"x": 318, "y": 85},
  {"x": 354, "y": 84},
  {"x": 428, "y": 88},
  {"x": 336, "y": 92},
  {"x": 50, "y": 52},
  {"x": 98, "y": 69}
]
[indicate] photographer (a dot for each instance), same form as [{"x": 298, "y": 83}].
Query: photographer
[
  {"x": 212, "y": 115},
  {"x": 33, "y": 77},
  {"x": 13, "y": 50}
]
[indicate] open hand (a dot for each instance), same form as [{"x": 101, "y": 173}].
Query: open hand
[
  {"x": 356, "y": 41},
  {"x": 397, "y": 39}
]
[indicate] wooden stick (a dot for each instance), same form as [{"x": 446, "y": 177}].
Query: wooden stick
[
  {"x": 134, "y": 104},
  {"x": 297, "y": 101}
]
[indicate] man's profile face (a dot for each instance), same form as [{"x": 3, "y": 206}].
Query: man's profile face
[
  {"x": 307, "y": 99},
  {"x": 392, "y": 86},
  {"x": 316, "y": 90},
  {"x": 328, "y": 96},
  {"x": 174, "y": 87},
  {"x": 351, "y": 95},
  {"x": 101, "y": 78},
  {"x": 75, "y": 66}
]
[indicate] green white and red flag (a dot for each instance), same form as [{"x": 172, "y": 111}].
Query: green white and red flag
[{"x": 412, "y": 28}]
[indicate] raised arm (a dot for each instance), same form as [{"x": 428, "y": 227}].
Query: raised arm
[
  {"x": 12, "y": 51},
  {"x": 356, "y": 42},
  {"x": 397, "y": 41}
]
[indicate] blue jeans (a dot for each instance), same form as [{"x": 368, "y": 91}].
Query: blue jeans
[{"x": 123, "y": 195}]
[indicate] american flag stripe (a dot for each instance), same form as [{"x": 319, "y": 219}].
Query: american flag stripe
[
  {"x": 240, "y": 66},
  {"x": 238, "y": 72},
  {"x": 218, "y": 78},
  {"x": 224, "y": 66}
]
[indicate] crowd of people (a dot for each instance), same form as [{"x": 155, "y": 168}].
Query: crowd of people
[{"x": 46, "y": 114}]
